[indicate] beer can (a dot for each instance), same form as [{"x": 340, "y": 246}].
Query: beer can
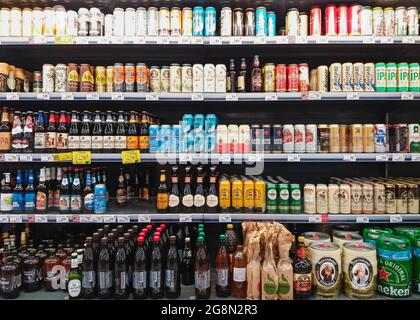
[
  {"x": 366, "y": 21},
  {"x": 256, "y": 138},
  {"x": 358, "y": 77},
  {"x": 315, "y": 21},
  {"x": 199, "y": 142},
  {"x": 175, "y": 139},
  {"x": 280, "y": 78},
  {"x": 288, "y": 138},
  {"x": 293, "y": 22},
  {"x": 347, "y": 71},
  {"x": 118, "y": 77},
  {"x": 413, "y": 198},
  {"x": 303, "y": 77},
  {"x": 209, "y": 78},
  {"x": 175, "y": 21},
  {"x": 155, "y": 84},
  {"x": 117, "y": 24},
  {"x": 380, "y": 77},
  {"x": 222, "y": 138},
  {"x": 237, "y": 194},
  {"x": 321, "y": 198},
  {"x": 60, "y": 78},
  {"x": 259, "y": 195},
  {"x": 249, "y": 199},
  {"x": 414, "y": 77},
  {"x": 49, "y": 22},
  {"x": 220, "y": 78},
  {"x": 210, "y": 144},
  {"x": 261, "y": 21},
  {"x": 334, "y": 138},
  {"x": 333, "y": 199},
  {"x": 342, "y": 24},
  {"x": 369, "y": 76},
  {"x": 186, "y": 78},
  {"x": 356, "y": 138},
  {"x": 414, "y": 137},
  {"x": 5, "y": 22},
  {"x": 299, "y": 138},
  {"x": 269, "y": 77},
  {"x": 398, "y": 138},
  {"x": 244, "y": 139},
  {"x": 48, "y": 76},
  {"x": 400, "y": 22},
  {"x": 109, "y": 25},
  {"x": 238, "y": 22},
  {"x": 153, "y": 138},
  {"x": 187, "y": 21},
  {"x": 152, "y": 21},
  {"x": 198, "y": 21},
  {"x": 271, "y": 23},
  {"x": 401, "y": 199},
  {"x": 210, "y": 123},
  {"x": 391, "y": 77},
  {"x": 368, "y": 136},
  {"x": 37, "y": 82},
  {"x": 164, "y": 137},
  {"x": 356, "y": 198},
  {"x": 389, "y": 20},
  {"x": 129, "y": 23},
  {"x": 141, "y": 77},
  {"x": 71, "y": 23},
  {"x": 272, "y": 197},
  {"x": 226, "y": 22},
  {"x": 129, "y": 77},
  {"x": 249, "y": 22},
  {"x": 402, "y": 77},
  {"x": 233, "y": 138},
  {"x": 141, "y": 21},
  {"x": 198, "y": 122},
  {"x": 283, "y": 198},
  {"x": 379, "y": 198},
  {"x": 96, "y": 21},
  {"x": 109, "y": 78},
  {"x": 15, "y": 22},
  {"x": 336, "y": 79},
  {"x": 413, "y": 21},
  {"x": 330, "y": 20},
  {"x": 266, "y": 138},
  {"x": 303, "y": 24},
  {"x": 292, "y": 78},
  {"x": 198, "y": 78},
  {"x": 277, "y": 138},
  {"x": 309, "y": 198},
  {"x": 26, "y": 22},
  {"x": 390, "y": 202},
  {"x": 378, "y": 21},
  {"x": 174, "y": 78},
  {"x": 311, "y": 138},
  {"x": 322, "y": 79},
  {"x": 164, "y": 21},
  {"x": 210, "y": 21},
  {"x": 380, "y": 138},
  {"x": 187, "y": 123},
  {"x": 295, "y": 198},
  {"x": 313, "y": 79},
  {"x": 72, "y": 77},
  {"x": 37, "y": 22},
  {"x": 224, "y": 194},
  {"x": 345, "y": 198},
  {"x": 323, "y": 138},
  {"x": 354, "y": 20}
]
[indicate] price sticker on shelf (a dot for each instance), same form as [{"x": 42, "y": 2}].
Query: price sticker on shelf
[
  {"x": 104, "y": 40},
  {"x": 64, "y": 40},
  {"x": 301, "y": 39},
  {"x": 353, "y": 96},
  {"x": 270, "y": 96},
  {"x": 231, "y": 97},
  {"x": 163, "y": 40},
  {"x": 408, "y": 40},
  {"x": 185, "y": 218},
  {"x": 82, "y": 157},
  {"x": 314, "y": 219},
  {"x": 368, "y": 39},
  {"x": 197, "y": 40},
  {"x": 260, "y": 40},
  {"x": 109, "y": 218},
  {"x": 130, "y": 156},
  {"x": 349, "y": 157},
  {"x": 61, "y": 219},
  {"x": 117, "y": 40},
  {"x": 282, "y": 40},
  {"x": 47, "y": 158},
  {"x": 117, "y": 96},
  {"x": 152, "y": 96},
  {"x": 4, "y": 218},
  {"x": 398, "y": 157},
  {"x": 293, "y": 158},
  {"x": 139, "y": 40},
  {"x": 184, "y": 40},
  {"x": 407, "y": 95},
  {"x": 225, "y": 158},
  {"x": 415, "y": 157},
  {"x": 39, "y": 40},
  {"x": 92, "y": 96},
  {"x": 184, "y": 158},
  {"x": 197, "y": 97},
  {"x": 215, "y": 40},
  {"x": 291, "y": 39},
  {"x": 25, "y": 158},
  {"x": 235, "y": 40},
  {"x": 67, "y": 96},
  {"x": 381, "y": 157},
  {"x": 96, "y": 218},
  {"x": 362, "y": 219},
  {"x": 10, "y": 157},
  {"x": 123, "y": 218},
  {"x": 395, "y": 218},
  {"x": 144, "y": 218},
  {"x": 15, "y": 218},
  {"x": 82, "y": 40},
  {"x": 12, "y": 96},
  {"x": 41, "y": 218},
  {"x": 387, "y": 39},
  {"x": 65, "y": 156},
  {"x": 84, "y": 218},
  {"x": 314, "y": 95},
  {"x": 43, "y": 96},
  {"x": 255, "y": 158},
  {"x": 321, "y": 39},
  {"x": 225, "y": 218}
]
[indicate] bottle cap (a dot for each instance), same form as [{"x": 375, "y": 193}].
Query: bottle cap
[
  {"x": 301, "y": 239},
  {"x": 200, "y": 239},
  {"x": 230, "y": 226},
  {"x": 140, "y": 239},
  {"x": 156, "y": 239},
  {"x": 222, "y": 237},
  {"x": 158, "y": 230}
]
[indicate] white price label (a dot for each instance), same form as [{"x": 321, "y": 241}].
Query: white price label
[
  {"x": 39, "y": 40},
  {"x": 353, "y": 96},
  {"x": 301, "y": 39},
  {"x": 321, "y": 39},
  {"x": 117, "y": 96},
  {"x": 314, "y": 95},
  {"x": 109, "y": 218},
  {"x": 397, "y": 157},
  {"x": 43, "y": 96},
  {"x": 395, "y": 218},
  {"x": 142, "y": 218},
  {"x": 270, "y": 96},
  {"x": 362, "y": 219},
  {"x": 225, "y": 158},
  {"x": 314, "y": 219},
  {"x": 368, "y": 39},
  {"x": 282, "y": 40},
  {"x": 197, "y": 97},
  {"x": 81, "y": 40},
  {"x": 96, "y": 218},
  {"x": 197, "y": 40},
  {"x": 185, "y": 218},
  {"x": 407, "y": 95},
  {"x": 62, "y": 219},
  {"x": 4, "y": 218},
  {"x": 235, "y": 40},
  {"x": 139, "y": 40},
  {"x": 387, "y": 39},
  {"x": 163, "y": 40},
  {"x": 381, "y": 157},
  {"x": 15, "y": 218},
  {"x": 408, "y": 39},
  {"x": 10, "y": 157},
  {"x": 231, "y": 97},
  {"x": 128, "y": 40},
  {"x": 47, "y": 158},
  {"x": 184, "y": 40},
  {"x": 260, "y": 40},
  {"x": 215, "y": 40},
  {"x": 67, "y": 96},
  {"x": 225, "y": 218},
  {"x": 104, "y": 40},
  {"x": 117, "y": 40},
  {"x": 84, "y": 218},
  {"x": 25, "y": 158},
  {"x": 41, "y": 218},
  {"x": 12, "y": 96},
  {"x": 271, "y": 39},
  {"x": 184, "y": 158},
  {"x": 123, "y": 218},
  {"x": 92, "y": 96},
  {"x": 293, "y": 158},
  {"x": 292, "y": 39},
  {"x": 415, "y": 157},
  {"x": 152, "y": 96},
  {"x": 349, "y": 157},
  {"x": 255, "y": 158}
]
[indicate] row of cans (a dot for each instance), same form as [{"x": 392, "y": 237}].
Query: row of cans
[
  {"x": 354, "y": 20},
  {"x": 282, "y": 196},
  {"x": 22, "y": 78},
  {"x": 282, "y": 77},
  {"x": 335, "y": 138},
  {"x": 362, "y": 195}
]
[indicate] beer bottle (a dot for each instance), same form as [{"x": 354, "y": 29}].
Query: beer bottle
[
  {"x": 155, "y": 274},
  {"x": 28, "y": 133},
  {"x": 120, "y": 272},
  {"x": 132, "y": 134},
  {"x": 5, "y": 131},
  {"x": 231, "y": 77},
  {"x": 41, "y": 193},
  {"x": 8, "y": 279},
  {"x": 86, "y": 132},
  {"x": 302, "y": 268},
  {"x": 172, "y": 272},
  {"x": 162, "y": 194},
  {"x": 231, "y": 243},
  {"x": 88, "y": 271},
  {"x": 109, "y": 135},
  {"x": 242, "y": 78},
  {"x": 140, "y": 271},
  {"x": 199, "y": 199},
  {"x": 76, "y": 193},
  {"x": 6, "y": 194},
  {"x": 31, "y": 272},
  {"x": 62, "y": 132},
  {"x": 145, "y": 193},
  {"x": 64, "y": 197},
  {"x": 74, "y": 287},
  {"x": 40, "y": 134},
  {"x": 57, "y": 188},
  {"x": 174, "y": 195},
  {"x": 222, "y": 269},
  {"x": 202, "y": 271},
  {"x": 74, "y": 131},
  {"x": 129, "y": 260},
  {"x": 130, "y": 186},
  {"x": 51, "y": 138},
  {"x": 212, "y": 201},
  {"x": 137, "y": 186},
  {"x": 17, "y": 132},
  {"x": 120, "y": 133},
  {"x": 144, "y": 133},
  {"x": 97, "y": 136},
  {"x": 256, "y": 75},
  {"x": 121, "y": 196},
  {"x": 104, "y": 274},
  {"x": 238, "y": 285},
  {"x": 17, "y": 196},
  {"x": 187, "y": 197},
  {"x": 88, "y": 194},
  {"x": 29, "y": 196}
]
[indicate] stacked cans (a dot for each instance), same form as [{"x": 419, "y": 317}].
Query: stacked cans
[
  {"x": 285, "y": 78},
  {"x": 394, "y": 77},
  {"x": 233, "y": 138}
]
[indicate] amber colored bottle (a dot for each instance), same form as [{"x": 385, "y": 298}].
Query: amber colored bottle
[
  {"x": 144, "y": 133},
  {"x": 302, "y": 270},
  {"x": 231, "y": 243},
  {"x": 238, "y": 285},
  {"x": 5, "y": 130},
  {"x": 132, "y": 133},
  {"x": 162, "y": 194},
  {"x": 49, "y": 272},
  {"x": 202, "y": 271},
  {"x": 256, "y": 75},
  {"x": 222, "y": 269}
]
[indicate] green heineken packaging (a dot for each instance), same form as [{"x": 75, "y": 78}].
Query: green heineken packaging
[
  {"x": 295, "y": 198},
  {"x": 402, "y": 77},
  {"x": 391, "y": 77},
  {"x": 370, "y": 235},
  {"x": 406, "y": 231},
  {"x": 415, "y": 244},
  {"x": 284, "y": 196},
  {"x": 380, "y": 77},
  {"x": 414, "y": 77},
  {"x": 395, "y": 268},
  {"x": 271, "y": 202}
]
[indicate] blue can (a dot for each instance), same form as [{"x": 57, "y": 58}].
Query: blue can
[
  {"x": 153, "y": 138},
  {"x": 210, "y": 123},
  {"x": 187, "y": 123},
  {"x": 271, "y": 23},
  {"x": 199, "y": 142},
  {"x": 164, "y": 138},
  {"x": 261, "y": 21},
  {"x": 210, "y": 21},
  {"x": 210, "y": 146},
  {"x": 198, "y": 21},
  {"x": 198, "y": 122},
  {"x": 188, "y": 142},
  {"x": 99, "y": 198},
  {"x": 176, "y": 131}
]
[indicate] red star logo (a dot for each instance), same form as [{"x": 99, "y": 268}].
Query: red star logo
[{"x": 383, "y": 274}]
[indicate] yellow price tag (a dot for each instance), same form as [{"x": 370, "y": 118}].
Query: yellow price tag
[
  {"x": 66, "y": 156},
  {"x": 81, "y": 157},
  {"x": 131, "y": 156},
  {"x": 64, "y": 40}
]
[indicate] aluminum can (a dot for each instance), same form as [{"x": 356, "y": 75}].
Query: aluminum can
[
  {"x": 400, "y": 22},
  {"x": 414, "y": 77},
  {"x": 381, "y": 142},
  {"x": 303, "y": 77},
  {"x": 311, "y": 138},
  {"x": 402, "y": 77},
  {"x": 186, "y": 78},
  {"x": 71, "y": 23},
  {"x": 26, "y": 22},
  {"x": 401, "y": 198},
  {"x": 199, "y": 142},
  {"x": 313, "y": 75},
  {"x": 152, "y": 21},
  {"x": 322, "y": 79},
  {"x": 369, "y": 76},
  {"x": 198, "y": 21},
  {"x": 323, "y": 134},
  {"x": 390, "y": 202},
  {"x": 209, "y": 78},
  {"x": 129, "y": 77},
  {"x": 175, "y": 138},
  {"x": 249, "y": 194},
  {"x": 233, "y": 138},
  {"x": 100, "y": 79},
  {"x": 175, "y": 21},
  {"x": 164, "y": 21},
  {"x": 336, "y": 78},
  {"x": 389, "y": 20},
  {"x": 293, "y": 22},
  {"x": 226, "y": 22},
  {"x": 129, "y": 23},
  {"x": 37, "y": 22},
  {"x": 238, "y": 22},
  {"x": 210, "y": 123},
  {"x": 165, "y": 79},
  {"x": 60, "y": 78},
  {"x": 292, "y": 78},
  {"x": 48, "y": 76},
  {"x": 378, "y": 21},
  {"x": 347, "y": 71},
  {"x": 321, "y": 198},
  {"x": 109, "y": 25},
  {"x": 309, "y": 198},
  {"x": 72, "y": 77},
  {"x": 256, "y": 138},
  {"x": 220, "y": 78},
  {"x": 5, "y": 22},
  {"x": 358, "y": 77},
  {"x": 330, "y": 20},
  {"x": 269, "y": 77},
  {"x": 175, "y": 78},
  {"x": 315, "y": 21},
  {"x": 380, "y": 76},
  {"x": 261, "y": 28},
  {"x": 333, "y": 199},
  {"x": 281, "y": 78},
  {"x": 244, "y": 139},
  {"x": 96, "y": 22},
  {"x": 271, "y": 24},
  {"x": 187, "y": 21},
  {"x": 155, "y": 85},
  {"x": 334, "y": 138},
  {"x": 198, "y": 78},
  {"x": 368, "y": 138},
  {"x": 356, "y": 198},
  {"x": 109, "y": 79},
  {"x": 49, "y": 22},
  {"x": 303, "y": 24},
  {"x": 277, "y": 138},
  {"x": 345, "y": 198},
  {"x": 210, "y": 21},
  {"x": 210, "y": 144},
  {"x": 141, "y": 77},
  {"x": 344, "y": 134},
  {"x": 164, "y": 137},
  {"x": 354, "y": 20},
  {"x": 187, "y": 123},
  {"x": 366, "y": 21},
  {"x": 118, "y": 77},
  {"x": 87, "y": 80},
  {"x": 117, "y": 25},
  {"x": 342, "y": 24},
  {"x": 299, "y": 138},
  {"x": 198, "y": 123},
  {"x": 288, "y": 138},
  {"x": 141, "y": 21},
  {"x": 249, "y": 22},
  {"x": 413, "y": 21},
  {"x": 391, "y": 77},
  {"x": 37, "y": 82},
  {"x": 266, "y": 139},
  {"x": 398, "y": 138},
  {"x": 356, "y": 138}
]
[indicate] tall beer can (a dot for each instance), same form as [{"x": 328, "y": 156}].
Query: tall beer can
[
  {"x": 356, "y": 138},
  {"x": 226, "y": 22},
  {"x": 354, "y": 20},
  {"x": 238, "y": 22},
  {"x": 321, "y": 198},
  {"x": 155, "y": 84},
  {"x": 198, "y": 21},
  {"x": 164, "y": 21},
  {"x": 198, "y": 78},
  {"x": 152, "y": 21},
  {"x": 380, "y": 77},
  {"x": 48, "y": 76},
  {"x": 141, "y": 77},
  {"x": 336, "y": 78},
  {"x": 26, "y": 22},
  {"x": 244, "y": 139},
  {"x": 311, "y": 138},
  {"x": 313, "y": 80},
  {"x": 288, "y": 138},
  {"x": 330, "y": 20},
  {"x": 342, "y": 24},
  {"x": 269, "y": 77},
  {"x": 389, "y": 21},
  {"x": 414, "y": 77},
  {"x": 322, "y": 79},
  {"x": 209, "y": 78},
  {"x": 380, "y": 138},
  {"x": 186, "y": 78},
  {"x": 402, "y": 77},
  {"x": 390, "y": 202},
  {"x": 356, "y": 198},
  {"x": 187, "y": 22},
  {"x": 210, "y": 21},
  {"x": 369, "y": 76},
  {"x": 292, "y": 78},
  {"x": 141, "y": 21},
  {"x": 303, "y": 77},
  {"x": 37, "y": 22},
  {"x": 266, "y": 139},
  {"x": 220, "y": 78},
  {"x": 366, "y": 21},
  {"x": 400, "y": 24},
  {"x": 414, "y": 137},
  {"x": 358, "y": 77},
  {"x": 176, "y": 21},
  {"x": 348, "y": 82},
  {"x": 391, "y": 77},
  {"x": 71, "y": 21},
  {"x": 323, "y": 138},
  {"x": 129, "y": 22},
  {"x": 60, "y": 78},
  {"x": 344, "y": 137},
  {"x": 175, "y": 77},
  {"x": 233, "y": 138},
  {"x": 315, "y": 21},
  {"x": 293, "y": 22},
  {"x": 368, "y": 138},
  {"x": 303, "y": 24},
  {"x": 117, "y": 22},
  {"x": 222, "y": 139},
  {"x": 345, "y": 198},
  {"x": 256, "y": 138},
  {"x": 378, "y": 21},
  {"x": 309, "y": 198},
  {"x": 5, "y": 22},
  {"x": 413, "y": 21},
  {"x": 280, "y": 78},
  {"x": 260, "y": 21},
  {"x": 100, "y": 79},
  {"x": 333, "y": 199},
  {"x": 334, "y": 138},
  {"x": 379, "y": 198},
  {"x": 249, "y": 22},
  {"x": 276, "y": 138},
  {"x": 299, "y": 138},
  {"x": 109, "y": 25},
  {"x": 109, "y": 78},
  {"x": 271, "y": 23}
]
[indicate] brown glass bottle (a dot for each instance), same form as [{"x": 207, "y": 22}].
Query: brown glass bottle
[
  {"x": 174, "y": 195},
  {"x": 212, "y": 200},
  {"x": 97, "y": 133},
  {"x": 172, "y": 271},
  {"x": 162, "y": 194},
  {"x": 5, "y": 131},
  {"x": 202, "y": 271},
  {"x": 50, "y": 273},
  {"x": 104, "y": 272},
  {"x": 51, "y": 138},
  {"x": 156, "y": 270},
  {"x": 30, "y": 273},
  {"x": 145, "y": 188},
  {"x": 62, "y": 132},
  {"x": 8, "y": 279},
  {"x": 121, "y": 193},
  {"x": 242, "y": 80},
  {"x": 132, "y": 132},
  {"x": 222, "y": 269},
  {"x": 120, "y": 271},
  {"x": 199, "y": 198},
  {"x": 140, "y": 271},
  {"x": 144, "y": 133},
  {"x": 302, "y": 268},
  {"x": 17, "y": 132},
  {"x": 187, "y": 197},
  {"x": 231, "y": 243},
  {"x": 88, "y": 271},
  {"x": 256, "y": 75},
  {"x": 238, "y": 284},
  {"x": 231, "y": 77}
]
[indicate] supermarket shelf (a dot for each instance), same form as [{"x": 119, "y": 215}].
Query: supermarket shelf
[{"x": 200, "y": 97}]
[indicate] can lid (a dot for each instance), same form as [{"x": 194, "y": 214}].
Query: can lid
[
  {"x": 359, "y": 247},
  {"x": 324, "y": 246}
]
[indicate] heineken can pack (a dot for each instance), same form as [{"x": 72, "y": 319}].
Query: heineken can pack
[
  {"x": 395, "y": 268},
  {"x": 415, "y": 243},
  {"x": 284, "y": 196}
]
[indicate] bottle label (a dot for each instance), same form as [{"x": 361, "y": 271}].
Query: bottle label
[
  {"x": 170, "y": 278},
  {"x": 241, "y": 83},
  {"x": 41, "y": 201},
  {"x": 64, "y": 202},
  {"x": 132, "y": 142},
  {"x": 5, "y": 140},
  {"x": 30, "y": 276},
  {"x": 74, "y": 288},
  {"x": 154, "y": 280},
  {"x": 120, "y": 142},
  {"x": 74, "y": 142},
  {"x": 105, "y": 279},
  {"x": 173, "y": 201},
  {"x": 40, "y": 140},
  {"x": 29, "y": 202},
  {"x": 76, "y": 202},
  {"x": 6, "y": 202},
  {"x": 239, "y": 274},
  {"x": 86, "y": 142},
  {"x": 62, "y": 140},
  {"x": 212, "y": 201},
  {"x": 121, "y": 195},
  {"x": 88, "y": 281},
  {"x": 162, "y": 201},
  {"x": 302, "y": 282},
  {"x": 51, "y": 139},
  {"x": 139, "y": 280},
  {"x": 109, "y": 142},
  {"x": 89, "y": 201},
  {"x": 222, "y": 277},
  {"x": 123, "y": 280},
  {"x": 188, "y": 200},
  {"x": 202, "y": 280},
  {"x": 144, "y": 142},
  {"x": 145, "y": 194},
  {"x": 97, "y": 142},
  {"x": 199, "y": 200}
]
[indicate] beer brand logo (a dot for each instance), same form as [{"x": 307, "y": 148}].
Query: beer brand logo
[
  {"x": 165, "y": 74},
  {"x": 394, "y": 277},
  {"x": 309, "y": 136},
  {"x": 326, "y": 271},
  {"x": 272, "y": 194},
  {"x": 284, "y": 194},
  {"x": 296, "y": 194},
  {"x": 298, "y": 136},
  {"x": 287, "y": 136},
  {"x": 360, "y": 272},
  {"x": 100, "y": 78},
  {"x": 87, "y": 77}
]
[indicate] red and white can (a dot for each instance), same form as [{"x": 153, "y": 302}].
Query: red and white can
[
  {"x": 311, "y": 138},
  {"x": 292, "y": 78},
  {"x": 303, "y": 77},
  {"x": 330, "y": 20},
  {"x": 353, "y": 19},
  {"x": 341, "y": 16},
  {"x": 244, "y": 138},
  {"x": 315, "y": 24},
  {"x": 233, "y": 138},
  {"x": 280, "y": 78},
  {"x": 299, "y": 138},
  {"x": 222, "y": 138},
  {"x": 288, "y": 138}
]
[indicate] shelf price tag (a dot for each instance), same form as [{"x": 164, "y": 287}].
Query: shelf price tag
[
  {"x": 84, "y": 218},
  {"x": 152, "y": 96},
  {"x": 61, "y": 219},
  {"x": 225, "y": 158},
  {"x": 109, "y": 218},
  {"x": 130, "y": 156},
  {"x": 349, "y": 157},
  {"x": 82, "y": 40},
  {"x": 197, "y": 40},
  {"x": 10, "y": 157},
  {"x": 163, "y": 40},
  {"x": 408, "y": 39},
  {"x": 314, "y": 95},
  {"x": 255, "y": 158},
  {"x": 67, "y": 96},
  {"x": 41, "y": 218},
  {"x": 225, "y": 218},
  {"x": 185, "y": 218},
  {"x": 104, "y": 40},
  {"x": 96, "y": 218},
  {"x": 235, "y": 40},
  {"x": 43, "y": 96},
  {"x": 415, "y": 157},
  {"x": 282, "y": 40},
  {"x": 4, "y": 218},
  {"x": 184, "y": 40},
  {"x": 314, "y": 219},
  {"x": 381, "y": 157},
  {"x": 92, "y": 96},
  {"x": 12, "y": 96},
  {"x": 144, "y": 218},
  {"x": 117, "y": 40},
  {"x": 353, "y": 96},
  {"x": 321, "y": 39},
  {"x": 368, "y": 39},
  {"x": 15, "y": 218},
  {"x": 407, "y": 95},
  {"x": 293, "y": 158},
  {"x": 362, "y": 219},
  {"x": 123, "y": 218},
  {"x": 139, "y": 40},
  {"x": 260, "y": 40},
  {"x": 215, "y": 40},
  {"x": 197, "y": 96},
  {"x": 82, "y": 157},
  {"x": 301, "y": 39},
  {"x": 387, "y": 39},
  {"x": 270, "y": 96},
  {"x": 184, "y": 158},
  {"x": 66, "y": 156},
  {"x": 47, "y": 158},
  {"x": 25, "y": 157},
  {"x": 117, "y": 96},
  {"x": 395, "y": 218},
  {"x": 64, "y": 40},
  {"x": 398, "y": 157},
  {"x": 231, "y": 97}
]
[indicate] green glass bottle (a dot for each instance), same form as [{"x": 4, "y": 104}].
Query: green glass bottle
[{"x": 74, "y": 287}]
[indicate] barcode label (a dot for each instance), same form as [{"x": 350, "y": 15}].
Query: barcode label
[
  {"x": 395, "y": 218},
  {"x": 368, "y": 39},
  {"x": 408, "y": 39},
  {"x": 315, "y": 219},
  {"x": 123, "y": 219},
  {"x": 398, "y": 157},
  {"x": 231, "y": 97},
  {"x": 235, "y": 40},
  {"x": 389, "y": 39},
  {"x": 163, "y": 40},
  {"x": 215, "y": 40},
  {"x": 152, "y": 96},
  {"x": 197, "y": 97},
  {"x": 271, "y": 97},
  {"x": 314, "y": 95},
  {"x": 362, "y": 219},
  {"x": 349, "y": 157},
  {"x": 185, "y": 158},
  {"x": 144, "y": 218},
  {"x": 15, "y": 218},
  {"x": 353, "y": 96},
  {"x": 301, "y": 39},
  {"x": 11, "y": 157},
  {"x": 254, "y": 158},
  {"x": 92, "y": 96},
  {"x": 109, "y": 218},
  {"x": 67, "y": 96},
  {"x": 4, "y": 218},
  {"x": 225, "y": 218},
  {"x": 293, "y": 158},
  {"x": 96, "y": 219},
  {"x": 25, "y": 157},
  {"x": 407, "y": 95},
  {"x": 117, "y": 96},
  {"x": 84, "y": 218},
  {"x": 43, "y": 96},
  {"x": 12, "y": 96},
  {"x": 41, "y": 218},
  {"x": 381, "y": 157},
  {"x": 185, "y": 218},
  {"x": 225, "y": 158},
  {"x": 415, "y": 157},
  {"x": 61, "y": 219}
]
